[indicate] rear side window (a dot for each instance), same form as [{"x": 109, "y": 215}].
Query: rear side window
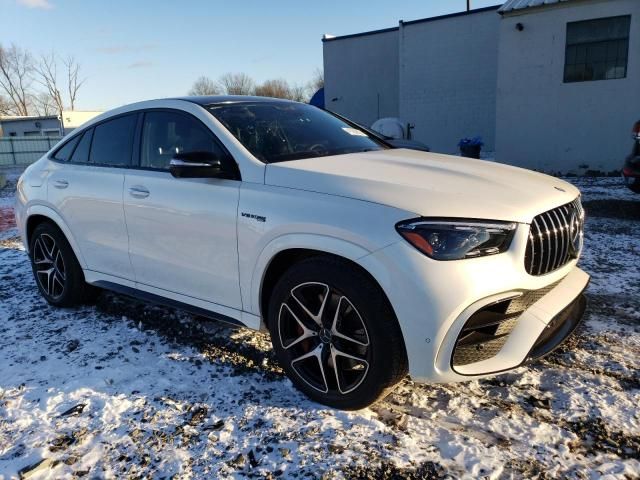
[
  {"x": 113, "y": 141},
  {"x": 64, "y": 153},
  {"x": 81, "y": 154}
]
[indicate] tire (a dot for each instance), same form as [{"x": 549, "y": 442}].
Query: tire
[
  {"x": 635, "y": 185},
  {"x": 364, "y": 339},
  {"x": 56, "y": 270}
]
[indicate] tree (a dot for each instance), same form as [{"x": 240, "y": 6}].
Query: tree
[
  {"x": 300, "y": 93},
  {"x": 237, "y": 84},
  {"x": 44, "y": 105},
  {"x": 204, "y": 86},
  {"x": 73, "y": 81},
  {"x": 16, "y": 77},
  {"x": 317, "y": 82},
  {"x": 278, "y": 88},
  {"x": 5, "y": 106},
  {"x": 47, "y": 76}
]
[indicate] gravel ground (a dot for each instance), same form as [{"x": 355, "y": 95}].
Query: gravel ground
[{"x": 125, "y": 389}]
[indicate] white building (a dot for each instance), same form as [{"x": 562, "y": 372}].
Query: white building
[
  {"x": 44, "y": 126},
  {"x": 549, "y": 84}
]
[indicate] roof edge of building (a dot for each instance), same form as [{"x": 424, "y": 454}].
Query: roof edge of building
[
  {"x": 361, "y": 34},
  {"x": 411, "y": 22},
  {"x": 453, "y": 15}
]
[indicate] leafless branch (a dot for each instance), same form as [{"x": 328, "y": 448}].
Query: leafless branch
[
  {"x": 204, "y": 86},
  {"x": 237, "y": 84},
  {"x": 16, "y": 77},
  {"x": 47, "y": 76},
  {"x": 74, "y": 82}
]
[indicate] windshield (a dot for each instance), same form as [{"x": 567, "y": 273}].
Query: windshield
[{"x": 281, "y": 131}]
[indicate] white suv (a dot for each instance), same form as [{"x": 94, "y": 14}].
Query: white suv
[{"x": 364, "y": 262}]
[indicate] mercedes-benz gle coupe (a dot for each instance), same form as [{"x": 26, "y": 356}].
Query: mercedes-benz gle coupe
[{"x": 364, "y": 262}]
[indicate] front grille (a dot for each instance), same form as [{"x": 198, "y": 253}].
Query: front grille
[
  {"x": 486, "y": 331},
  {"x": 555, "y": 238}
]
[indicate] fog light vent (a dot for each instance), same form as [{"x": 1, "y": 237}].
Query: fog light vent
[{"x": 487, "y": 330}]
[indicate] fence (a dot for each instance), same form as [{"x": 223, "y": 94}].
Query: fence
[{"x": 16, "y": 151}]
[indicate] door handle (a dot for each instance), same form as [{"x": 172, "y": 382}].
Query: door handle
[
  {"x": 61, "y": 184},
  {"x": 138, "y": 191}
]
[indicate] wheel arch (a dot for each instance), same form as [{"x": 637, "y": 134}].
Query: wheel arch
[
  {"x": 38, "y": 214},
  {"x": 287, "y": 257}
]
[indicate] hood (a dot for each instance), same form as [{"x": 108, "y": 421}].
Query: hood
[{"x": 428, "y": 184}]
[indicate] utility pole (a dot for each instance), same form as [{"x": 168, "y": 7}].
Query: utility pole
[{"x": 468, "y": 5}]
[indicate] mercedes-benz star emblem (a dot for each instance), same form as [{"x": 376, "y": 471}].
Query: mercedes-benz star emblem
[{"x": 575, "y": 234}]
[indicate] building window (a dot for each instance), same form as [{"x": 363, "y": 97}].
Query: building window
[{"x": 597, "y": 49}]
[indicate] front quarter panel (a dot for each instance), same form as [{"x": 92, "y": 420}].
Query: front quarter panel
[{"x": 273, "y": 219}]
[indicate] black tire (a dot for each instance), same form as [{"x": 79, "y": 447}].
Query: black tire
[
  {"x": 635, "y": 185},
  {"x": 64, "y": 285},
  {"x": 379, "y": 347}
]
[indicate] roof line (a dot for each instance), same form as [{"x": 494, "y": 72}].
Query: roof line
[
  {"x": 411, "y": 22},
  {"x": 361, "y": 34},
  {"x": 453, "y": 15}
]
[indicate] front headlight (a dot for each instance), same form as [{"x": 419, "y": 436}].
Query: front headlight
[{"x": 457, "y": 239}]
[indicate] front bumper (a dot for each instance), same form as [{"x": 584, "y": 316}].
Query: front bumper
[{"x": 434, "y": 300}]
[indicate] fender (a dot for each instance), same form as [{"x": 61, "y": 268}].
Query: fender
[
  {"x": 321, "y": 243},
  {"x": 39, "y": 209}
]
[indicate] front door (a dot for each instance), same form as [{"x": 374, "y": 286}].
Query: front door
[{"x": 182, "y": 231}]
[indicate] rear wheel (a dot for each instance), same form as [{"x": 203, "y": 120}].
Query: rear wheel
[
  {"x": 335, "y": 334},
  {"x": 56, "y": 270}
]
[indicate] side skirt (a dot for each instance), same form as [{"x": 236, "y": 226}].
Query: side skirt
[{"x": 153, "y": 298}]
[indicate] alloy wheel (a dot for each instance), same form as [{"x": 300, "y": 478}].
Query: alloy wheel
[
  {"x": 325, "y": 338},
  {"x": 49, "y": 265}
]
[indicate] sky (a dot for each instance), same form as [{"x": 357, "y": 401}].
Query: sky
[{"x": 137, "y": 50}]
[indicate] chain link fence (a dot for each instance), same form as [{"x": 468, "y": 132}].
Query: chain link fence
[{"x": 22, "y": 151}]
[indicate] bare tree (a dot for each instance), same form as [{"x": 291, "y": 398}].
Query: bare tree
[
  {"x": 204, "y": 86},
  {"x": 73, "y": 81},
  {"x": 44, "y": 105},
  {"x": 47, "y": 76},
  {"x": 5, "y": 106},
  {"x": 300, "y": 93},
  {"x": 237, "y": 84},
  {"x": 16, "y": 77},
  {"x": 317, "y": 81},
  {"x": 278, "y": 88}
]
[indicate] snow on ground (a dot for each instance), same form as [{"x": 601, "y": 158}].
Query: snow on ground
[{"x": 126, "y": 389}]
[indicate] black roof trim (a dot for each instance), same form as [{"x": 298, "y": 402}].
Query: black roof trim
[
  {"x": 217, "y": 99},
  {"x": 362, "y": 34},
  {"x": 412, "y": 22},
  {"x": 453, "y": 15}
]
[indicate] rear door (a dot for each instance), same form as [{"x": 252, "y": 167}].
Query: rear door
[
  {"x": 182, "y": 231},
  {"x": 85, "y": 186}
]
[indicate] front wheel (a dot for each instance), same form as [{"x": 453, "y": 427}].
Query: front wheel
[
  {"x": 634, "y": 184},
  {"x": 335, "y": 334}
]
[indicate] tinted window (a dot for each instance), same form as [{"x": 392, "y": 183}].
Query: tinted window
[
  {"x": 64, "y": 153},
  {"x": 81, "y": 155},
  {"x": 597, "y": 49},
  {"x": 280, "y": 131},
  {"x": 113, "y": 141},
  {"x": 166, "y": 133}
]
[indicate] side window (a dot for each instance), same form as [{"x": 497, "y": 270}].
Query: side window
[
  {"x": 64, "y": 153},
  {"x": 81, "y": 155},
  {"x": 166, "y": 133},
  {"x": 113, "y": 141}
]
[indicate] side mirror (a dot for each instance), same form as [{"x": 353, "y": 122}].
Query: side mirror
[{"x": 196, "y": 165}]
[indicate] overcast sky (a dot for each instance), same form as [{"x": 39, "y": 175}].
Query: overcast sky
[{"x": 135, "y": 50}]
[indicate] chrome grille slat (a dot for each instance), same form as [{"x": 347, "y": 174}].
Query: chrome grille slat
[
  {"x": 560, "y": 251},
  {"x": 556, "y": 247},
  {"x": 547, "y": 234},
  {"x": 549, "y": 245}
]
